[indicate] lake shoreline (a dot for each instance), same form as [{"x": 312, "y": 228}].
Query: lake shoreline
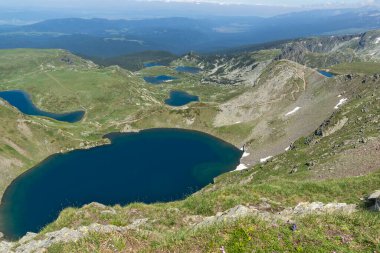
[{"x": 114, "y": 138}]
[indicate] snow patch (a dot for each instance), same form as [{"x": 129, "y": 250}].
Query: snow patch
[
  {"x": 263, "y": 160},
  {"x": 237, "y": 122},
  {"x": 241, "y": 167},
  {"x": 339, "y": 96},
  {"x": 293, "y": 111},
  {"x": 377, "y": 40},
  {"x": 341, "y": 102},
  {"x": 245, "y": 154}
]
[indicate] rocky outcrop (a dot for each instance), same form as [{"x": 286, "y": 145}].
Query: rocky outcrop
[
  {"x": 6, "y": 247},
  {"x": 318, "y": 208},
  {"x": 239, "y": 69},
  {"x": 33, "y": 243},
  {"x": 287, "y": 214},
  {"x": 373, "y": 201},
  {"x": 232, "y": 214},
  {"x": 322, "y": 52}
]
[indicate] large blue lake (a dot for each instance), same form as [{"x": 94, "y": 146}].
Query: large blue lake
[
  {"x": 22, "y": 101},
  {"x": 150, "y": 166}
]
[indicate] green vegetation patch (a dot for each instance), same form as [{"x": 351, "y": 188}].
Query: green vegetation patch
[{"x": 356, "y": 67}]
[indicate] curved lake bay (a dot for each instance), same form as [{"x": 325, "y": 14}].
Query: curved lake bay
[
  {"x": 154, "y": 165},
  {"x": 22, "y": 101}
]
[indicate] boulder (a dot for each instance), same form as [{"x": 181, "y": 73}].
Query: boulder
[
  {"x": 6, "y": 246},
  {"x": 232, "y": 214},
  {"x": 373, "y": 201},
  {"x": 30, "y": 244},
  {"x": 137, "y": 223},
  {"x": 28, "y": 237},
  {"x": 306, "y": 208}
]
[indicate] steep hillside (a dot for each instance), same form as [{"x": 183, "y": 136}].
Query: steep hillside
[
  {"x": 237, "y": 69},
  {"x": 281, "y": 102}
]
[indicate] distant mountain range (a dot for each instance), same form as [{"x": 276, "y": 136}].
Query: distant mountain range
[{"x": 109, "y": 38}]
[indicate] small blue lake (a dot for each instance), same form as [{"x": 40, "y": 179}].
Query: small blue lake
[
  {"x": 187, "y": 69},
  {"x": 180, "y": 98},
  {"x": 152, "y": 64},
  {"x": 155, "y": 165},
  {"x": 22, "y": 101},
  {"x": 159, "y": 79},
  {"x": 326, "y": 74}
]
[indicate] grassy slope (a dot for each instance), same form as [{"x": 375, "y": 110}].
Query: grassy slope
[
  {"x": 356, "y": 67},
  {"x": 325, "y": 233}
]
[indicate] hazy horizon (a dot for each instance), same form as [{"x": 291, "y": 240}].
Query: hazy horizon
[
  {"x": 30, "y": 11},
  {"x": 94, "y": 4}
]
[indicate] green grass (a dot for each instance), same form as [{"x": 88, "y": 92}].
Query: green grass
[
  {"x": 356, "y": 67},
  {"x": 326, "y": 233}
]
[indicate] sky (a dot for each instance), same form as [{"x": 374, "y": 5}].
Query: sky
[{"x": 117, "y": 3}]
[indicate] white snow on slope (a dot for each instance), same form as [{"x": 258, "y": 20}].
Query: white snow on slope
[
  {"x": 293, "y": 111},
  {"x": 263, "y": 160},
  {"x": 241, "y": 167},
  {"x": 246, "y": 154},
  {"x": 341, "y": 102}
]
